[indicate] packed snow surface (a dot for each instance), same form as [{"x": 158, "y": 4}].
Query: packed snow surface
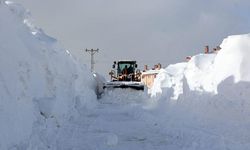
[{"x": 48, "y": 100}]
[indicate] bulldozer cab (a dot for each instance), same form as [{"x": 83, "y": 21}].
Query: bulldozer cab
[
  {"x": 127, "y": 67},
  {"x": 124, "y": 71},
  {"x": 125, "y": 75}
]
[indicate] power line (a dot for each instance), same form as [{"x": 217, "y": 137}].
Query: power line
[{"x": 92, "y": 53}]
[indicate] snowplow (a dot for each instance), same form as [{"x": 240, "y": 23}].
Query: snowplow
[{"x": 124, "y": 75}]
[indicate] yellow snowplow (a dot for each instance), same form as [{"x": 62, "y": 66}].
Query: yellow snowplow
[{"x": 125, "y": 75}]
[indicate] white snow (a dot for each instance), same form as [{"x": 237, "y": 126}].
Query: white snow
[
  {"x": 210, "y": 107},
  {"x": 40, "y": 83},
  {"x": 48, "y": 100},
  {"x": 171, "y": 77},
  {"x": 204, "y": 72}
]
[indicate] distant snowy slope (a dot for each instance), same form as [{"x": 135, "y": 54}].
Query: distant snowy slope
[{"x": 38, "y": 81}]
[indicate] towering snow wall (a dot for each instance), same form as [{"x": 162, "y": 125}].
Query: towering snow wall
[
  {"x": 39, "y": 82},
  {"x": 206, "y": 100},
  {"x": 204, "y": 72}
]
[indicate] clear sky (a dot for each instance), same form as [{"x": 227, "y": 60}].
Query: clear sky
[{"x": 149, "y": 31}]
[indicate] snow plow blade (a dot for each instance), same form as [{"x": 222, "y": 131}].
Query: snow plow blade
[{"x": 123, "y": 85}]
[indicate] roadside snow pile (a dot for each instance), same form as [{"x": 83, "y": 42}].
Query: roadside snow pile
[
  {"x": 204, "y": 103},
  {"x": 41, "y": 86},
  {"x": 204, "y": 72},
  {"x": 170, "y": 78},
  {"x": 45, "y": 96}
]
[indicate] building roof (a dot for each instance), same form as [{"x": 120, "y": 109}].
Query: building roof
[{"x": 150, "y": 72}]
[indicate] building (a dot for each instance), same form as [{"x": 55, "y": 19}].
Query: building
[{"x": 148, "y": 76}]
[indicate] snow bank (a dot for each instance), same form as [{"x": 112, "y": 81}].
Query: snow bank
[
  {"x": 169, "y": 78},
  {"x": 204, "y": 103},
  {"x": 41, "y": 86},
  {"x": 204, "y": 72},
  {"x": 44, "y": 96},
  {"x": 233, "y": 59}
]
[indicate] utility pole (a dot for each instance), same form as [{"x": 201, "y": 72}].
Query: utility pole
[{"x": 92, "y": 53}]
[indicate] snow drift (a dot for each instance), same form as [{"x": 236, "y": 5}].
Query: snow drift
[
  {"x": 204, "y": 72},
  {"x": 205, "y": 102},
  {"x": 41, "y": 85},
  {"x": 45, "y": 95}
]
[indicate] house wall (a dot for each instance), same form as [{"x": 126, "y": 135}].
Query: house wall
[{"x": 148, "y": 79}]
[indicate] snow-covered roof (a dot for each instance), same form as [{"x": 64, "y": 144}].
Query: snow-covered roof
[{"x": 150, "y": 72}]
